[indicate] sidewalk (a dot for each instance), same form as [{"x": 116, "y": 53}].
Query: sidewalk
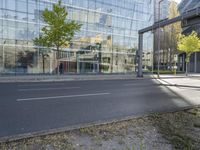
[
  {"x": 186, "y": 87},
  {"x": 191, "y": 75},
  {"x": 53, "y": 78}
]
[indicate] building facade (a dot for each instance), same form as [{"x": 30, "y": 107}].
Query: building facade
[
  {"x": 187, "y": 5},
  {"x": 107, "y": 41},
  {"x": 189, "y": 26}
]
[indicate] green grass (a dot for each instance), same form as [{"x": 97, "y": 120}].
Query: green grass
[{"x": 167, "y": 72}]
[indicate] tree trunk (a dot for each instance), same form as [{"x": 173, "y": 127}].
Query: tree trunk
[
  {"x": 58, "y": 64},
  {"x": 43, "y": 63},
  {"x": 186, "y": 70},
  {"x": 170, "y": 59},
  {"x": 187, "y": 63}
]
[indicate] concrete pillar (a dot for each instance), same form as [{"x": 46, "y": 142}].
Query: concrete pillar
[{"x": 139, "y": 57}]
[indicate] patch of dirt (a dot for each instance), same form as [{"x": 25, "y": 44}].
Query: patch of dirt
[{"x": 180, "y": 130}]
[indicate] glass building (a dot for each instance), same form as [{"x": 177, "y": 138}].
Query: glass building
[
  {"x": 107, "y": 42},
  {"x": 186, "y": 5},
  {"x": 188, "y": 27}
]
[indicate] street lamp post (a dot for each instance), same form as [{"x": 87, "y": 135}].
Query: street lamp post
[
  {"x": 159, "y": 14},
  {"x": 112, "y": 51}
]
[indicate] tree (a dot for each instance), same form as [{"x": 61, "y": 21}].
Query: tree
[
  {"x": 189, "y": 44},
  {"x": 59, "y": 31},
  {"x": 169, "y": 37}
]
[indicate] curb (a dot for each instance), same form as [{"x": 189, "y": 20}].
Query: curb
[
  {"x": 67, "y": 80},
  {"x": 175, "y": 76},
  {"x": 86, "y": 125}
]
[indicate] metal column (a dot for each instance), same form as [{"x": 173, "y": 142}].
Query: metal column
[
  {"x": 140, "y": 52},
  {"x": 185, "y": 16},
  {"x": 195, "y": 62}
]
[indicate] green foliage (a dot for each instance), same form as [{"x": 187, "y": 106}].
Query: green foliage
[
  {"x": 132, "y": 50},
  {"x": 41, "y": 41},
  {"x": 58, "y": 32},
  {"x": 104, "y": 67},
  {"x": 189, "y": 44},
  {"x": 167, "y": 72}
]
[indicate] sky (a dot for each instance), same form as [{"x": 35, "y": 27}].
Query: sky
[{"x": 178, "y": 1}]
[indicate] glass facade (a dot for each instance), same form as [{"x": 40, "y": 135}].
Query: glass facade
[
  {"x": 191, "y": 25},
  {"x": 186, "y": 5},
  {"x": 107, "y": 41}
]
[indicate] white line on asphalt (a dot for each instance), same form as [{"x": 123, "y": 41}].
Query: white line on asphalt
[
  {"x": 35, "y": 84},
  {"x": 130, "y": 84},
  {"x": 138, "y": 84},
  {"x": 58, "y": 97},
  {"x": 45, "y": 89}
]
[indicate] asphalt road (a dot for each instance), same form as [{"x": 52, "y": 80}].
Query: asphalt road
[{"x": 33, "y": 107}]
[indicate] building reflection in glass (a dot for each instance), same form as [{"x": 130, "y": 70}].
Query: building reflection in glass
[{"x": 107, "y": 42}]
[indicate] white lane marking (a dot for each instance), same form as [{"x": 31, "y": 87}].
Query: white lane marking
[
  {"x": 45, "y": 89},
  {"x": 129, "y": 84},
  {"x": 140, "y": 84},
  {"x": 58, "y": 97},
  {"x": 35, "y": 84}
]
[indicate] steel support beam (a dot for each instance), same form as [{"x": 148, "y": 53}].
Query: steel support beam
[
  {"x": 140, "y": 53},
  {"x": 186, "y": 15}
]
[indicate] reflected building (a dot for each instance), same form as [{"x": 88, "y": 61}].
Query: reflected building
[
  {"x": 107, "y": 42},
  {"x": 164, "y": 14}
]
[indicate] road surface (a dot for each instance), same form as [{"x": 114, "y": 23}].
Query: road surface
[{"x": 33, "y": 107}]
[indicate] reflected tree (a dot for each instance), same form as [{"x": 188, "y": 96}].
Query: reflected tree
[
  {"x": 59, "y": 31},
  {"x": 25, "y": 58},
  {"x": 44, "y": 53}
]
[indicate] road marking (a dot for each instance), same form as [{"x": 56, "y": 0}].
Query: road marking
[
  {"x": 45, "y": 89},
  {"x": 140, "y": 84},
  {"x": 58, "y": 97},
  {"x": 35, "y": 84},
  {"x": 129, "y": 84}
]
